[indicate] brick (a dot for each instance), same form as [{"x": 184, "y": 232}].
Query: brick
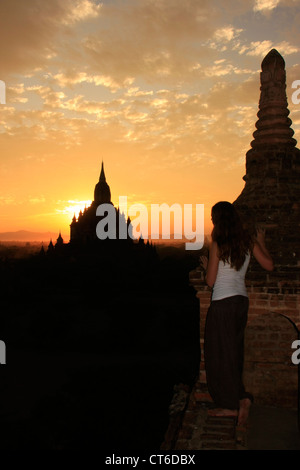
[
  {"x": 222, "y": 431},
  {"x": 258, "y": 310},
  {"x": 202, "y": 397},
  {"x": 221, "y": 420},
  {"x": 261, "y": 303},
  {"x": 186, "y": 432},
  {"x": 219, "y": 445},
  {"x": 291, "y": 304}
]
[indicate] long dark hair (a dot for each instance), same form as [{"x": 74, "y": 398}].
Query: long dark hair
[{"x": 232, "y": 239}]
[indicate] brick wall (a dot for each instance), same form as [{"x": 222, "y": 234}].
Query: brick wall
[{"x": 268, "y": 370}]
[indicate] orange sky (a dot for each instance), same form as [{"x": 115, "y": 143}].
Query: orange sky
[{"x": 165, "y": 92}]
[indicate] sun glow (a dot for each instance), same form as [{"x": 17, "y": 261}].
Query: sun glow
[{"x": 74, "y": 208}]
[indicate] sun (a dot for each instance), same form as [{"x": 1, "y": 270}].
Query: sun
[{"x": 74, "y": 207}]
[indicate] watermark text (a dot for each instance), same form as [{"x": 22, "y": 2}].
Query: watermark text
[
  {"x": 2, "y": 92},
  {"x": 2, "y": 352},
  {"x": 186, "y": 222},
  {"x": 296, "y": 94},
  {"x": 296, "y": 354}
]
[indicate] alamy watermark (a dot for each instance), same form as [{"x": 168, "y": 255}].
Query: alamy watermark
[
  {"x": 157, "y": 226},
  {"x": 296, "y": 94},
  {"x": 2, "y": 352},
  {"x": 2, "y": 92},
  {"x": 296, "y": 354}
]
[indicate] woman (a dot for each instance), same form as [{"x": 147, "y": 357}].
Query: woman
[{"x": 226, "y": 320}]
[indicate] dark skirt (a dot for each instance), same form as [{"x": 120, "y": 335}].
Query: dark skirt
[{"x": 224, "y": 350}]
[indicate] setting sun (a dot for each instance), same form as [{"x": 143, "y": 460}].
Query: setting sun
[{"x": 74, "y": 208}]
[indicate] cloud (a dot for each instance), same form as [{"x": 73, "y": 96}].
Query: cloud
[
  {"x": 74, "y": 78},
  {"x": 287, "y": 48},
  {"x": 257, "y": 48},
  {"x": 152, "y": 118},
  {"x": 261, "y": 48},
  {"x": 37, "y": 200},
  {"x": 81, "y": 10},
  {"x": 265, "y": 5},
  {"x": 224, "y": 37},
  {"x": 227, "y": 33},
  {"x": 220, "y": 68},
  {"x": 14, "y": 94},
  {"x": 136, "y": 92},
  {"x": 7, "y": 200},
  {"x": 30, "y": 31},
  {"x": 155, "y": 40},
  {"x": 51, "y": 98},
  {"x": 266, "y": 8}
]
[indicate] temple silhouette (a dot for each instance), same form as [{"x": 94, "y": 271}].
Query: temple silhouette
[
  {"x": 83, "y": 229},
  {"x": 83, "y": 234}
]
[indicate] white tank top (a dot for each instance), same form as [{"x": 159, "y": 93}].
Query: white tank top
[{"x": 229, "y": 281}]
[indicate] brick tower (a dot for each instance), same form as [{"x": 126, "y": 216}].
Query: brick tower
[
  {"x": 271, "y": 196},
  {"x": 271, "y": 200}
]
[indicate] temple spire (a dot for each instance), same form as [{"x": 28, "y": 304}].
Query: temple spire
[
  {"x": 273, "y": 125},
  {"x": 102, "y": 190},
  {"x": 102, "y": 174}
]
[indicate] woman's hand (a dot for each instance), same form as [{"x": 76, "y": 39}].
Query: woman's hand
[
  {"x": 212, "y": 265},
  {"x": 204, "y": 262},
  {"x": 260, "y": 251},
  {"x": 260, "y": 236}
]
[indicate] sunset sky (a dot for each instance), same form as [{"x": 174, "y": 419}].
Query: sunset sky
[{"x": 165, "y": 92}]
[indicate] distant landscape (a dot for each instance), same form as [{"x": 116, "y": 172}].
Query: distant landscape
[
  {"x": 45, "y": 237},
  {"x": 27, "y": 236}
]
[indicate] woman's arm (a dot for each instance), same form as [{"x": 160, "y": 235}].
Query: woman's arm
[
  {"x": 213, "y": 263},
  {"x": 261, "y": 253}
]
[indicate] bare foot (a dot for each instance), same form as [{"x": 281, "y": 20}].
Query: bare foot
[
  {"x": 244, "y": 411},
  {"x": 222, "y": 412}
]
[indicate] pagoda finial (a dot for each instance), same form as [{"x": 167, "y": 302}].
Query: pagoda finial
[
  {"x": 273, "y": 125},
  {"x": 102, "y": 191},
  {"x": 102, "y": 174}
]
